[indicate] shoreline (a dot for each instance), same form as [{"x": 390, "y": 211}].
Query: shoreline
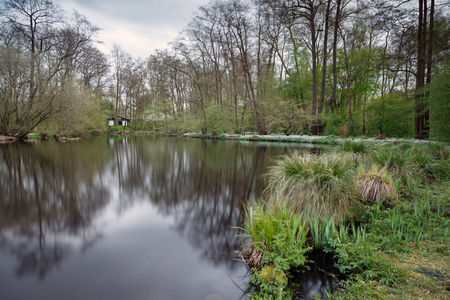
[
  {"x": 4, "y": 139},
  {"x": 253, "y": 137}
]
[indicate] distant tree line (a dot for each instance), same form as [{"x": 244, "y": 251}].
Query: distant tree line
[{"x": 268, "y": 66}]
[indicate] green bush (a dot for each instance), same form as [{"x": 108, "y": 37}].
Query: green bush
[
  {"x": 331, "y": 130},
  {"x": 114, "y": 128},
  {"x": 276, "y": 244}
]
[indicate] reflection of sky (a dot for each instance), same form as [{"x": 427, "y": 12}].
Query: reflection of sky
[
  {"x": 136, "y": 249},
  {"x": 143, "y": 218},
  {"x": 139, "y": 257}
]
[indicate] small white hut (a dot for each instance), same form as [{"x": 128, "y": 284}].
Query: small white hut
[{"x": 121, "y": 121}]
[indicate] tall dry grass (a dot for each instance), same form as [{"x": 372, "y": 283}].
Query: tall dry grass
[
  {"x": 314, "y": 185},
  {"x": 375, "y": 183}
]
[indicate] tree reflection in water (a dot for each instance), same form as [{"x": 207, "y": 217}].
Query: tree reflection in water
[
  {"x": 203, "y": 184},
  {"x": 52, "y": 194},
  {"x": 49, "y": 195}
]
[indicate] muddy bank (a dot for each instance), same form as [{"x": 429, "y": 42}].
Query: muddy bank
[{"x": 7, "y": 139}]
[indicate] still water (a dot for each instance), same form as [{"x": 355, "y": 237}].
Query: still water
[{"x": 126, "y": 217}]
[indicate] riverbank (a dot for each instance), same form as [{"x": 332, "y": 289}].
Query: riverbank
[
  {"x": 7, "y": 139},
  {"x": 405, "y": 253},
  {"x": 382, "y": 212},
  {"x": 254, "y": 137}
]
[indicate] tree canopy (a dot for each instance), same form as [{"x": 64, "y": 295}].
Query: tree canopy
[{"x": 278, "y": 66}]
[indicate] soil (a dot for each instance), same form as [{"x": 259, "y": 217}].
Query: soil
[{"x": 7, "y": 139}]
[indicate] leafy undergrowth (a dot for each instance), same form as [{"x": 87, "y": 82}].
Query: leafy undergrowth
[
  {"x": 405, "y": 253},
  {"x": 393, "y": 245}
]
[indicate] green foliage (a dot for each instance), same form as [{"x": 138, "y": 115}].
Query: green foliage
[
  {"x": 324, "y": 233},
  {"x": 333, "y": 122},
  {"x": 439, "y": 103},
  {"x": 410, "y": 164},
  {"x": 107, "y": 108},
  {"x": 396, "y": 161},
  {"x": 354, "y": 147},
  {"x": 278, "y": 234},
  {"x": 114, "y": 128},
  {"x": 439, "y": 150},
  {"x": 393, "y": 114},
  {"x": 368, "y": 249},
  {"x": 391, "y": 233},
  {"x": 216, "y": 119},
  {"x": 276, "y": 244},
  {"x": 424, "y": 162},
  {"x": 79, "y": 113},
  {"x": 283, "y": 117},
  {"x": 139, "y": 127}
]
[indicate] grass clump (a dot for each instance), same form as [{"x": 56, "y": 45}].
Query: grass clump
[
  {"x": 397, "y": 162},
  {"x": 316, "y": 185},
  {"x": 439, "y": 151},
  {"x": 354, "y": 147},
  {"x": 375, "y": 184}
]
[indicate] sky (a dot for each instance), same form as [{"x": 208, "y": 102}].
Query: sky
[{"x": 138, "y": 26}]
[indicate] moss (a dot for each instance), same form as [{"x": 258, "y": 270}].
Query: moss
[{"x": 271, "y": 275}]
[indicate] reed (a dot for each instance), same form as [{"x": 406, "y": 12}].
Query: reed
[{"x": 323, "y": 233}]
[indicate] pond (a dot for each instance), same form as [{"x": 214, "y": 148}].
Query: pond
[{"x": 144, "y": 217}]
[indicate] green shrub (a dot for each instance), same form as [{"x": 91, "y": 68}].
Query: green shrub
[
  {"x": 276, "y": 244},
  {"x": 331, "y": 130},
  {"x": 115, "y": 128}
]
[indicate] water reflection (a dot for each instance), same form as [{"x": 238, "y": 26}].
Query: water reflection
[
  {"x": 48, "y": 194},
  {"x": 53, "y": 193},
  {"x": 56, "y": 201},
  {"x": 202, "y": 184}
]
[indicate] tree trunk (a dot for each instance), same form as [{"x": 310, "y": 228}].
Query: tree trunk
[
  {"x": 315, "y": 122},
  {"x": 349, "y": 102},
  {"x": 420, "y": 73},
  {"x": 325, "y": 57},
  {"x": 335, "y": 37}
]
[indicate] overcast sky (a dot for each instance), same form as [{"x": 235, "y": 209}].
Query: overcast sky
[{"x": 139, "y": 26}]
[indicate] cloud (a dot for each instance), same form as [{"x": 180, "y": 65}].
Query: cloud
[
  {"x": 150, "y": 12},
  {"x": 140, "y": 27}
]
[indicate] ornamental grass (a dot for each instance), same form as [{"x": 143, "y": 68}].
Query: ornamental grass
[
  {"x": 375, "y": 184},
  {"x": 397, "y": 162},
  {"x": 314, "y": 185}
]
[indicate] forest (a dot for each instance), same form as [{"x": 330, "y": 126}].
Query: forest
[{"x": 320, "y": 67}]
